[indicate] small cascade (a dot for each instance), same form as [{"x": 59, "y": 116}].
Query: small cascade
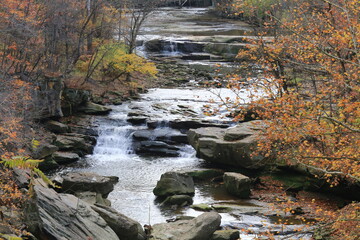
[{"x": 171, "y": 48}]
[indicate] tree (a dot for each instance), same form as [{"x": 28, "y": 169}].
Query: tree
[
  {"x": 132, "y": 14},
  {"x": 311, "y": 80}
]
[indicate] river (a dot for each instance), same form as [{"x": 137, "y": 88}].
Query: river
[{"x": 114, "y": 153}]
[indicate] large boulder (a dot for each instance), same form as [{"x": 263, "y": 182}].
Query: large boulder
[
  {"x": 237, "y": 184},
  {"x": 199, "y": 228},
  {"x": 126, "y": 228},
  {"x": 63, "y": 216},
  {"x": 44, "y": 150},
  {"x": 233, "y": 146},
  {"x": 84, "y": 181},
  {"x": 174, "y": 183}
]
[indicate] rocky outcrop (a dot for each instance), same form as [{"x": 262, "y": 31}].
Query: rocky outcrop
[
  {"x": 57, "y": 127},
  {"x": 199, "y": 228},
  {"x": 233, "y": 146},
  {"x": 74, "y": 143},
  {"x": 64, "y": 216},
  {"x": 207, "y": 174},
  {"x": 237, "y": 184},
  {"x": 173, "y": 183},
  {"x": 124, "y": 227},
  {"x": 83, "y": 182},
  {"x": 73, "y": 99},
  {"x": 48, "y": 97}
]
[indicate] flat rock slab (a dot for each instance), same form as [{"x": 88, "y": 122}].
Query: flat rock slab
[
  {"x": 199, "y": 228},
  {"x": 88, "y": 182},
  {"x": 64, "y": 216},
  {"x": 237, "y": 184},
  {"x": 65, "y": 157}
]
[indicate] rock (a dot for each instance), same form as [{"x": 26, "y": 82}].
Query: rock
[
  {"x": 56, "y": 127},
  {"x": 173, "y": 183},
  {"x": 93, "y": 198},
  {"x": 44, "y": 150},
  {"x": 201, "y": 207},
  {"x": 48, "y": 164},
  {"x": 48, "y": 97},
  {"x": 65, "y": 157},
  {"x": 233, "y": 146},
  {"x": 64, "y": 216},
  {"x": 156, "y": 148},
  {"x": 72, "y": 99},
  {"x": 206, "y": 174},
  {"x": 187, "y": 124},
  {"x": 73, "y": 143},
  {"x": 124, "y": 227},
  {"x": 160, "y": 134},
  {"x": 180, "y": 200},
  {"x": 237, "y": 184},
  {"x": 22, "y": 177},
  {"x": 92, "y": 182},
  {"x": 199, "y": 228},
  {"x": 94, "y": 109},
  {"x": 137, "y": 120},
  {"x": 226, "y": 235},
  {"x": 154, "y": 45}
]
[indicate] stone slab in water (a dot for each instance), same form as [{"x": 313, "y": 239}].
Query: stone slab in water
[
  {"x": 237, "y": 184},
  {"x": 174, "y": 183}
]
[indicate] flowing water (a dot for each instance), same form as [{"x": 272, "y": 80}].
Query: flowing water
[{"x": 114, "y": 153}]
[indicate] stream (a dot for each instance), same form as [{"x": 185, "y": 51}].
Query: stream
[{"x": 115, "y": 153}]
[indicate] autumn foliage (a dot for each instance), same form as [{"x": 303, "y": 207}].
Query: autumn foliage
[{"x": 311, "y": 81}]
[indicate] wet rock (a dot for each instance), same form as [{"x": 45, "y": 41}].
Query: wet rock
[
  {"x": 93, "y": 198},
  {"x": 94, "y": 109},
  {"x": 173, "y": 183},
  {"x": 156, "y": 148},
  {"x": 161, "y": 134},
  {"x": 237, "y": 184},
  {"x": 180, "y": 200},
  {"x": 137, "y": 120},
  {"x": 201, "y": 207},
  {"x": 125, "y": 227},
  {"x": 83, "y": 182},
  {"x": 206, "y": 174},
  {"x": 64, "y": 216},
  {"x": 226, "y": 235},
  {"x": 187, "y": 124},
  {"x": 56, "y": 127},
  {"x": 233, "y": 146},
  {"x": 199, "y": 228},
  {"x": 65, "y": 157}
]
